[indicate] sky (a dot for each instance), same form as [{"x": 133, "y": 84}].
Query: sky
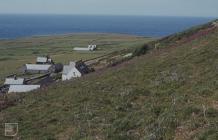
[{"x": 199, "y": 8}]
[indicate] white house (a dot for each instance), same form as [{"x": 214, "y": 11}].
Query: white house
[
  {"x": 74, "y": 69},
  {"x": 89, "y": 48},
  {"x": 22, "y": 88},
  {"x": 92, "y": 47},
  {"x": 43, "y": 60},
  {"x": 37, "y": 68},
  {"x": 14, "y": 81}
]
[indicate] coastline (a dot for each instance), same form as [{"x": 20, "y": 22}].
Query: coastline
[{"x": 23, "y": 26}]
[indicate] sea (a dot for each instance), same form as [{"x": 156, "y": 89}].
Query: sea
[{"x": 19, "y": 26}]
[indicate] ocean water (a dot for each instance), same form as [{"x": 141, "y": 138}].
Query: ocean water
[{"x": 17, "y": 26}]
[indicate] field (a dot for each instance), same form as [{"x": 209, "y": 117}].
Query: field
[{"x": 15, "y": 53}]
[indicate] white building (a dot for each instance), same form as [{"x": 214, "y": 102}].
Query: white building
[
  {"x": 70, "y": 72},
  {"x": 16, "y": 85},
  {"x": 92, "y": 47},
  {"x": 73, "y": 70},
  {"x": 37, "y": 68},
  {"x": 89, "y": 48},
  {"x": 43, "y": 60},
  {"x": 22, "y": 88},
  {"x": 14, "y": 81}
]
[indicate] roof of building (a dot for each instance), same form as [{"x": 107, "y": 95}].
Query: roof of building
[
  {"x": 42, "y": 59},
  {"x": 13, "y": 81},
  {"x": 38, "y": 67},
  {"x": 80, "y": 49},
  {"x": 22, "y": 88}
]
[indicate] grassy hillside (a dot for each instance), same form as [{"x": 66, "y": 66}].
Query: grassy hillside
[
  {"x": 169, "y": 93},
  {"x": 15, "y": 53}
]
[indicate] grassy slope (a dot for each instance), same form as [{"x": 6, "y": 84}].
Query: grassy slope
[
  {"x": 15, "y": 53},
  {"x": 165, "y": 94}
]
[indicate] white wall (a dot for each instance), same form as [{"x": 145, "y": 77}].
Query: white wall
[{"x": 73, "y": 73}]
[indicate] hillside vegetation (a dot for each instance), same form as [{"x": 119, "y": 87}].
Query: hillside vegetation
[{"x": 171, "y": 92}]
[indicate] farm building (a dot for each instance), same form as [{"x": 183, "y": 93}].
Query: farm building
[
  {"x": 92, "y": 47},
  {"x": 22, "y": 88},
  {"x": 44, "y": 60},
  {"x": 89, "y": 48},
  {"x": 17, "y": 85},
  {"x": 38, "y": 68},
  {"x": 14, "y": 81},
  {"x": 74, "y": 69}
]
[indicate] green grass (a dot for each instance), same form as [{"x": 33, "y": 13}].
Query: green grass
[{"x": 169, "y": 93}]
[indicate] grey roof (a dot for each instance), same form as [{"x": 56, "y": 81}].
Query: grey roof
[
  {"x": 38, "y": 67},
  {"x": 12, "y": 81}
]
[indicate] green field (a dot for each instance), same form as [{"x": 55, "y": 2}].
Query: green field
[
  {"x": 15, "y": 53},
  {"x": 169, "y": 93}
]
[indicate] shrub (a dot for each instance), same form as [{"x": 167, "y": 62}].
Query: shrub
[{"x": 142, "y": 50}]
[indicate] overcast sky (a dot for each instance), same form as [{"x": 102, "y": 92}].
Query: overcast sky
[{"x": 206, "y": 8}]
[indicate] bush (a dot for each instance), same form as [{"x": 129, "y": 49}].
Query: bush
[{"x": 142, "y": 50}]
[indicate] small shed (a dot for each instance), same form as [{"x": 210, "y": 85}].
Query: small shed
[
  {"x": 22, "y": 88},
  {"x": 44, "y": 60},
  {"x": 37, "y": 68},
  {"x": 41, "y": 60},
  {"x": 14, "y": 81},
  {"x": 74, "y": 69},
  {"x": 92, "y": 47}
]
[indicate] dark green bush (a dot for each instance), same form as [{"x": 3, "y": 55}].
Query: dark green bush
[{"x": 142, "y": 50}]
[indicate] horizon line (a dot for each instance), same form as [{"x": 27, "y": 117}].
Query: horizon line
[{"x": 68, "y": 14}]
